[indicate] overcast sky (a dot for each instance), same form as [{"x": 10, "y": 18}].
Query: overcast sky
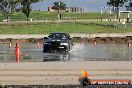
[{"x": 88, "y": 5}]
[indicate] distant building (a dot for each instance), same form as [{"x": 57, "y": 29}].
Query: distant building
[
  {"x": 52, "y": 9},
  {"x": 75, "y": 9},
  {"x": 68, "y": 9}
]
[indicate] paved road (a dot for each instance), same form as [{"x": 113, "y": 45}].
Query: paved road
[
  {"x": 62, "y": 73},
  {"x": 82, "y": 35}
]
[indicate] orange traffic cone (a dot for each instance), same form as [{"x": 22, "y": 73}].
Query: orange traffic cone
[{"x": 17, "y": 53}]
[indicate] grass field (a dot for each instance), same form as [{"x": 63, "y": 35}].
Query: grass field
[
  {"x": 76, "y": 27},
  {"x": 52, "y": 15},
  {"x": 95, "y": 27}
]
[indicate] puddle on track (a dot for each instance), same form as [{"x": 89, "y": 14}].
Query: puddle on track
[{"x": 79, "y": 52}]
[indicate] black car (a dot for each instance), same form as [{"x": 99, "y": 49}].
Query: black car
[{"x": 57, "y": 42}]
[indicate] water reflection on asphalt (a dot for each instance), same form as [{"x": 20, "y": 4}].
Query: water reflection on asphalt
[{"x": 30, "y": 52}]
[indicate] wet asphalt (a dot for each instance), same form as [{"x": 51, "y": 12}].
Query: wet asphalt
[{"x": 32, "y": 52}]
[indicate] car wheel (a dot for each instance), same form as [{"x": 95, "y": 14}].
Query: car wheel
[
  {"x": 66, "y": 49},
  {"x": 44, "y": 50}
]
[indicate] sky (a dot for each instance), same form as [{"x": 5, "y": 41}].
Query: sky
[{"x": 88, "y": 5}]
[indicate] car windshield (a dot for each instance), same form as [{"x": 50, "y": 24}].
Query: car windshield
[{"x": 58, "y": 36}]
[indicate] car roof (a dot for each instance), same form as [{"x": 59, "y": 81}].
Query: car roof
[{"x": 58, "y": 33}]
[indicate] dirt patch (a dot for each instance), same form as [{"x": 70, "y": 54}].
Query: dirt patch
[
  {"x": 30, "y": 40},
  {"x": 102, "y": 40},
  {"x": 67, "y": 86}
]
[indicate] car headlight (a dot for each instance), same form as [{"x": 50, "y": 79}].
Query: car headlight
[{"x": 66, "y": 44}]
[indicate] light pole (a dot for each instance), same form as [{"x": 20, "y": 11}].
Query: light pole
[
  {"x": 105, "y": 13},
  {"x": 110, "y": 9},
  {"x": 101, "y": 12},
  {"x": 68, "y": 5},
  {"x": 59, "y": 15}
]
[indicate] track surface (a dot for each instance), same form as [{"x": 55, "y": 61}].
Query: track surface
[{"x": 62, "y": 73}]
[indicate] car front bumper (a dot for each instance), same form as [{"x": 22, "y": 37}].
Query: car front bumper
[{"x": 55, "y": 48}]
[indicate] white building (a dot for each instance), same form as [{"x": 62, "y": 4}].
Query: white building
[{"x": 68, "y": 9}]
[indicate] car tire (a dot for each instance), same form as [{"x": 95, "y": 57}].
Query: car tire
[
  {"x": 67, "y": 49},
  {"x": 44, "y": 50}
]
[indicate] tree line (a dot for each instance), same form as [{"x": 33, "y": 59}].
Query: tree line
[
  {"x": 116, "y": 4},
  {"x": 7, "y": 7}
]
